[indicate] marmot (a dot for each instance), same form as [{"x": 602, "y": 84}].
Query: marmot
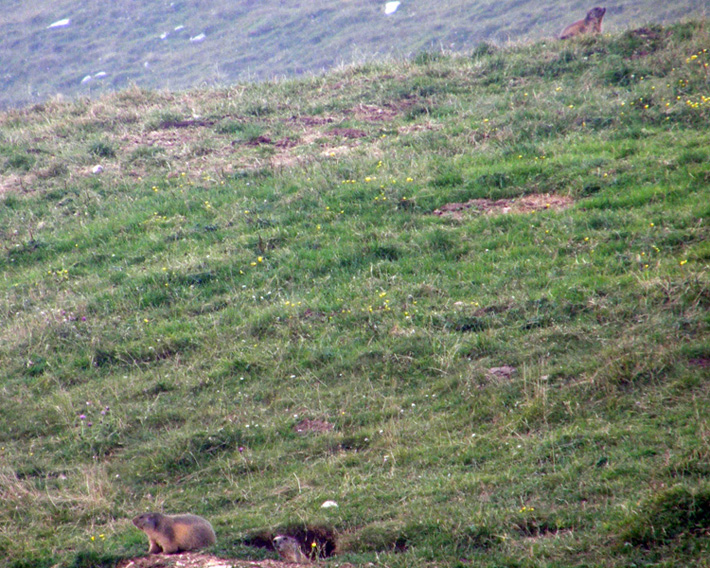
[
  {"x": 175, "y": 533},
  {"x": 592, "y": 24},
  {"x": 289, "y": 549}
]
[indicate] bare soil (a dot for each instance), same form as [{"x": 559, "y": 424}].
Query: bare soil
[
  {"x": 307, "y": 425},
  {"x": 197, "y": 560},
  {"x": 524, "y": 204}
]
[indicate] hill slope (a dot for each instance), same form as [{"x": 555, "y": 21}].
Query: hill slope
[
  {"x": 176, "y": 45},
  {"x": 464, "y": 297}
]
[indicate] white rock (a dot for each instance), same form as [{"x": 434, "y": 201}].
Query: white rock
[
  {"x": 100, "y": 75},
  {"x": 328, "y": 505},
  {"x": 86, "y": 80},
  {"x": 391, "y": 7},
  {"x": 178, "y": 28},
  {"x": 97, "y": 169},
  {"x": 198, "y": 38},
  {"x": 59, "y": 24},
  {"x": 163, "y": 35}
]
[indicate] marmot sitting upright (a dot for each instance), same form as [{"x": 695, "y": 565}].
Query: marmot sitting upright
[
  {"x": 178, "y": 533},
  {"x": 289, "y": 550},
  {"x": 592, "y": 24}
]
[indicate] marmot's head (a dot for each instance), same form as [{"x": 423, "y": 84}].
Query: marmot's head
[
  {"x": 282, "y": 542},
  {"x": 596, "y": 14},
  {"x": 147, "y": 521}
]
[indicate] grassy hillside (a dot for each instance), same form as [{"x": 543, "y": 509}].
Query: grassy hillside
[
  {"x": 465, "y": 297},
  {"x": 153, "y": 43}
]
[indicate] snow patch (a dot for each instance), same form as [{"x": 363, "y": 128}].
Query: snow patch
[
  {"x": 391, "y": 7},
  {"x": 59, "y": 24},
  {"x": 89, "y": 78},
  {"x": 198, "y": 38}
]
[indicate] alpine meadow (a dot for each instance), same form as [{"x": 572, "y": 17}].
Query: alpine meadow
[{"x": 463, "y": 296}]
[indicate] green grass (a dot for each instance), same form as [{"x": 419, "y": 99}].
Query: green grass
[{"x": 258, "y": 255}]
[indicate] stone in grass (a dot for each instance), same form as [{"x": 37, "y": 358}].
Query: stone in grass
[{"x": 504, "y": 372}]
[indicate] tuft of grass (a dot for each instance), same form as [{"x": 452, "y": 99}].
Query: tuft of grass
[
  {"x": 101, "y": 149},
  {"x": 672, "y": 515}
]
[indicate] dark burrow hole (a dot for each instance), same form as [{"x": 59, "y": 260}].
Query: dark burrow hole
[{"x": 316, "y": 541}]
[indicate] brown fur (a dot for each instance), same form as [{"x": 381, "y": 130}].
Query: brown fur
[
  {"x": 592, "y": 24},
  {"x": 290, "y": 550},
  {"x": 178, "y": 533}
]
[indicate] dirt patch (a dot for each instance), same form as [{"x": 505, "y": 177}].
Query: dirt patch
[
  {"x": 307, "y": 425},
  {"x": 525, "y": 204},
  {"x": 702, "y": 362},
  {"x": 419, "y": 127},
  {"x": 196, "y": 560},
  {"x": 194, "y": 151},
  {"x": 311, "y": 121},
  {"x": 646, "y": 33},
  {"x": 193, "y": 147},
  {"x": 375, "y": 113},
  {"x": 347, "y": 132},
  {"x": 505, "y": 372},
  {"x": 284, "y": 160},
  {"x": 287, "y": 142},
  {"x": 15, "y": 183},
  {"x": 258, "y": 141},
  {"x": 308, "y": 313},
  {"x": 164, "y": 138},
  {"x": 336, "y": 151},
  {"x": 186, "y": 123}
]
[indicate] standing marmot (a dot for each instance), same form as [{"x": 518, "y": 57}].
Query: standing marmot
[
  {"x": 178, "y": 533},
  {"x": 290, "y": 549},
  {"x": 592, "y": 24}
]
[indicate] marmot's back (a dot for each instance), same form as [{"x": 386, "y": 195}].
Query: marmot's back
[
  {"x": 192, "y": 532},
  {"x": 175, "y": 533}
]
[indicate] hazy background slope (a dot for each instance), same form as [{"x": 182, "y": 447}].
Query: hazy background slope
[{"x": 160, "y": 43}]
